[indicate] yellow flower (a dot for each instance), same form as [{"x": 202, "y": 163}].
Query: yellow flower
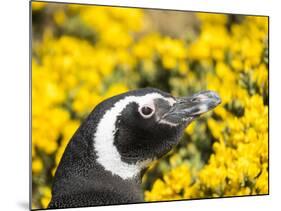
[
  {"x": 212, "y": 18},
  {"x": 46, "y": 196},
  {"x": 36, "y": 6},
  {"x": 85, "y": 101},
  {"x": 260, "y": 75},
  {"x": 37, "y": 165},
  {"x": 190, "y": 128},
  {"x": 59, "y": 17},
  {"x": 262, "y": 182},
  {"x": 146, "y": 46},
  {"x": 116, "y": 89},
  {"x": 173, "y": 183}
]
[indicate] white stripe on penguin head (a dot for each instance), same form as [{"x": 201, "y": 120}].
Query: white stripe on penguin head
[{"x": 107, "y": 153}]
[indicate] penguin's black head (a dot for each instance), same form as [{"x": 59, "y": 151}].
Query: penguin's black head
[{"x": 142, "y": 125}]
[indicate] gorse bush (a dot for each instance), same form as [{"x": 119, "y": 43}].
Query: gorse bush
[
  {"x": 82, "y": 55},
  {"x": 232, "y": 59}
]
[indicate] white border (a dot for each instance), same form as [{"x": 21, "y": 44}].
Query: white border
[{"x": 14, "y": 82}]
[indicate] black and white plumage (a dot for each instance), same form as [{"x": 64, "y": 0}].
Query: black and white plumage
[{"x": 106, "y": 156}]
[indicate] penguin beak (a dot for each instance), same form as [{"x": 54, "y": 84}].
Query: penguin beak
[{"x": 188, "y": 108}]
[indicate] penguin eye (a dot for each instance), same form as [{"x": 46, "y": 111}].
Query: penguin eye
[{"x": 146, "y": 111}]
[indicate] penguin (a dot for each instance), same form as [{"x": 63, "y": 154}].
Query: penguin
[{"x": 105, "y": 159}]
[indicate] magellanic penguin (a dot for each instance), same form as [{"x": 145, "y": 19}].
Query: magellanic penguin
[{"x": 105, "y": 158}]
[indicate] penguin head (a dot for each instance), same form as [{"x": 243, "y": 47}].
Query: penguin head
[{"x": 142, "y": 125}]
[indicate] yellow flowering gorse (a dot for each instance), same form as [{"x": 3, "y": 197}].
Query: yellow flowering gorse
[
  {"x": 239, "y": 162},
  {"x": 89, "y": 53}
]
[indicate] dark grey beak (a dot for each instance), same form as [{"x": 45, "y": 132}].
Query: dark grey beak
[{"x": 188, "y": 108}]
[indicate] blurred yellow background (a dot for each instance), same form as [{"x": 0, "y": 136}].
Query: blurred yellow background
[{"x": 82, "y": 55}]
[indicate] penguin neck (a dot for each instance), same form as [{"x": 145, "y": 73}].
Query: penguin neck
[{"x": 110, "y": 159}]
